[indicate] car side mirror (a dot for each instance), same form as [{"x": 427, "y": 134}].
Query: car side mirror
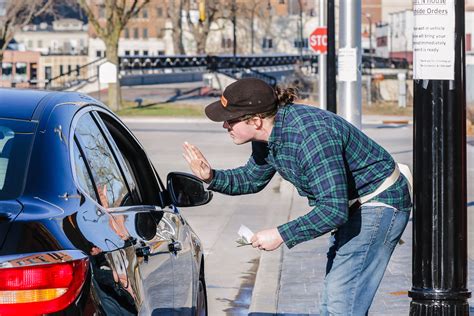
[{"x": 186, "y": 190}]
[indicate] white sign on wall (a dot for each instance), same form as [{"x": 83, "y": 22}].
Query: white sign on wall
[
  {"x": 433, "y": 40},
  {"x": 347, "y": 64},
  {"x": 107, "y": 73}
]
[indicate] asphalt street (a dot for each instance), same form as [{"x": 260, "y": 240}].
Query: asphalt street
[{"x": 231, "y": 270}]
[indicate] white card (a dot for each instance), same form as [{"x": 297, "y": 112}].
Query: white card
[{"x": 245, "y": 233}]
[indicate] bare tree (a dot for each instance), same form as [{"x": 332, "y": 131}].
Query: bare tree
[
  {"x": 19, "y": 13},
  {"x": 117, "y": 14},
  {"x": 175, "y": 10},
  {"x": 201, "y": 28}
]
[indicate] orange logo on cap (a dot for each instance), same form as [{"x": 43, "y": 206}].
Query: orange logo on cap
[{"x": 223, "y": 101}]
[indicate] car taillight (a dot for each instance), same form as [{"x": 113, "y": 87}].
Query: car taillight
[{"x": 41, "y": 289}]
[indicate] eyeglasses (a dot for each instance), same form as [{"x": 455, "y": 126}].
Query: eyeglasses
[
  {"x": 240, "y": 119},
  {"x": 235, "y": 121}
]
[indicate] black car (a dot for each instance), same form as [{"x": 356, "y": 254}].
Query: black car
[{"x": 86, "y": 225}]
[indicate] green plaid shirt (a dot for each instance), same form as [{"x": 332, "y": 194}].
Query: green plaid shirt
[{"x": 328, "y": 160}]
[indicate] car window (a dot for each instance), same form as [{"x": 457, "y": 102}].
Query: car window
[
  {"x": 82, "y": 174},
  {"x": 136, "y": 160},
  {"x": 106, "y": 174},
  {"x": 15, "y": 148}
]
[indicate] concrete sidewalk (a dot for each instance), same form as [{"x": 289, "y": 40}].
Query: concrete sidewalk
[{"x": 290, "y": 282}]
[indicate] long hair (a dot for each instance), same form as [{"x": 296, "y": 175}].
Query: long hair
[{"x": 285, "y": 96}]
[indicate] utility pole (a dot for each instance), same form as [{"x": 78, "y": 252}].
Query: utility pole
[
  {"x": 331, "y": 87},
  {"x": 300, "y": 28},
  {"x": 322, "y": 61},
  {"x": 440, "y": 210},
  {"x": 349, "y": 61}
]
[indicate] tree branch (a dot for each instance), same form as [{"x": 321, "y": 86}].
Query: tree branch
[{"x": 92, "y": 18}]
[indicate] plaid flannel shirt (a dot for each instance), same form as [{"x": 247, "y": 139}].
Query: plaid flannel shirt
[{"x": 328, "y": 160}]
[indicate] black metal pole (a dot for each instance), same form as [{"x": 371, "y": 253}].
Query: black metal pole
[
  {"x": 331, "y": 92},
  {"x": 370, "y": 48},
  {"x": 440, "y": 215},
  {"x": 234, "y": 23},
  {"x": 300, "y": 29}
]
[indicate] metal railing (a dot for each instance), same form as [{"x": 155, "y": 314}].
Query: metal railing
[{"x": 75, "y": 77}]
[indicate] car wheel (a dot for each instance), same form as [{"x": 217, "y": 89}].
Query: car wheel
[{"x": 201, "y": 305}]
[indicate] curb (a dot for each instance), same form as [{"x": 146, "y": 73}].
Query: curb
[
  {"x": 267, "y": 284},
  {"x": 129, "y": 119},
  {"x": 266, "y": 289}
]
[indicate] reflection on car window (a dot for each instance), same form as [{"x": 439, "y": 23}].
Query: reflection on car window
[
  {"x": 14, "y": 151},
  {"x": 108, "y": 179},
  {"x": 82, "y": 174},
  {"x": 6, "y": 144}
]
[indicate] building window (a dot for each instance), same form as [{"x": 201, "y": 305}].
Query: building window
[
  {"x": 61, "y": 69},
  {"x": 301, "y": 43},
  {"x": 20, "y": 72},
  {"x": 145, "y": 53},
  {"x": 127, "y": 33},
  {"x": 267, "y": 43},
  {"x": 127, "y": 53},
  {"x": 145, "y": 13},
  {"x": 135, "y": 33},
  {"x": 145, "y": 33},
  {"x": 33, "y": 71},
  {"x": 47, "y": 72},
  {"x": 161, "y": 52},
  {"x": 40, "y": 44},
  {"x": 98, "y": 53},
  {"x": 30, "y": 44},
  {"x": 226, "y": 42},
  {"x": 136, "y": 53},
  {"x": 69, "y": 69},
  {"x": 382, "y": 41},
  {"x": 7, "y": 71},
  {"x": 159, "y": 12}
]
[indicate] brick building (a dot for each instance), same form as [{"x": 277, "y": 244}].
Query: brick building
[{"x": 19, "y": 69}]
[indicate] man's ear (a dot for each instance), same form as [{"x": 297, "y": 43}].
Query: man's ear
[{"x": 257, "y": 122}]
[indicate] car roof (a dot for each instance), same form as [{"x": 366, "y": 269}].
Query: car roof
[
  {"x": 32, "y": 105},
  {"x": 20, "y": 103}
]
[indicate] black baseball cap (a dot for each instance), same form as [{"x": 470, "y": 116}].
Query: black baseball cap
[{"x": 243, "y": 97}]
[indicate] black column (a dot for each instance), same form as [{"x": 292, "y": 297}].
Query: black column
[
  {"x": 440, "y": 214},
  {"x": 331, "y": 86}
]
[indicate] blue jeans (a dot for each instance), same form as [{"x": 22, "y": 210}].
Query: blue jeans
[{"x": 358, "y": 255}]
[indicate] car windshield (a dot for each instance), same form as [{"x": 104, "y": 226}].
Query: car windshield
[{"x": 15, "y": 147}]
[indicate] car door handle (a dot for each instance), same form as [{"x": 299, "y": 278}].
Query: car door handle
[
  {"x": 175, "y": 247},
  {"x": 143, "y": 252}
]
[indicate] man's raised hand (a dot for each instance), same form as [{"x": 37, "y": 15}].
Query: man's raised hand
[{"x": 197, "y": 162}]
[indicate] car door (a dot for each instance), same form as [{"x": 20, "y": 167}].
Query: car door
[
  {"x": 130, "y": 229},
  {"x": 171, "y": 226}
]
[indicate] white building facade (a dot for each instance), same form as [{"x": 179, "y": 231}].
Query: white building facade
[{"x": 65, "y": 36}]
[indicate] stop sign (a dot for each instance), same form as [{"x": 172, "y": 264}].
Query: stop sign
[{"x": 318, "y": 40}]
